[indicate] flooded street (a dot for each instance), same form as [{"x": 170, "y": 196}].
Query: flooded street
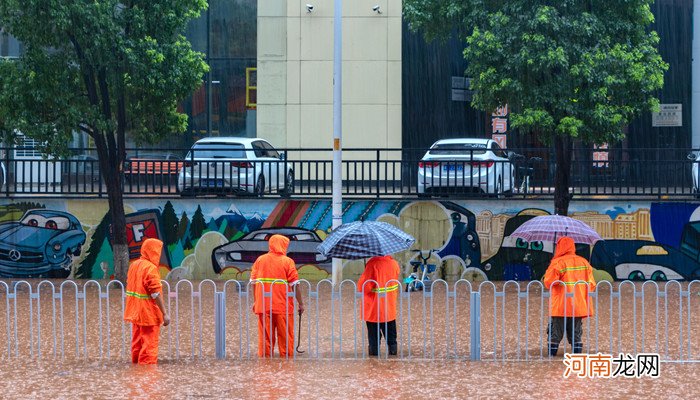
[
  {"x": 84, "y": 349},
  {"x": 332, "y": 379}
]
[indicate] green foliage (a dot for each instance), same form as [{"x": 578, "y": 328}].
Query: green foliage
[
  {"x": 579, "y": 69},
  {"x": 104, "y": 67}
]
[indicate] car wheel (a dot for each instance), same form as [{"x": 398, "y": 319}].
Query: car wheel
[
  {"x": 636, "y": 276},
  {"x": 288, "y": 184},
  {"x": 260, "y": 186},
  {"x": 659, "y": 276}
]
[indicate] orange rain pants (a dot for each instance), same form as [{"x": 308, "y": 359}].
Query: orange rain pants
[
  {"x": 144, "y": 344},
  {"x": 285, "y": 335}
]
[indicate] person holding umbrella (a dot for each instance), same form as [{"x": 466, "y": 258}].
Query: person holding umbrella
[
  {"x": 567, "y": 274},
  {"x": 379, "y": 284}
]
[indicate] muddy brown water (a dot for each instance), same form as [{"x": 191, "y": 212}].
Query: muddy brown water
[{"x": 443, "y": 334}]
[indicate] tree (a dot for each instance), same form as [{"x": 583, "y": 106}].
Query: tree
[
  {"x": 170, "y": 224},
  {"x": 567, "y": 70},
  {"x": 198, "y": 224},
  {"x": 107, "y": 68},
  {"x": 182, "y": 226},
  {"x": 84, "y": 270}
]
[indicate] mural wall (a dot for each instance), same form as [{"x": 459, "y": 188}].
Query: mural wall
[{"x": 221, "y": 238}]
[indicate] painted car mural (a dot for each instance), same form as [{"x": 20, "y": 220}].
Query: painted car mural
[
  {"x": 642, "y": 260},
  {"x": 242, "y": 253},
  {"x": 41, "y": 244}
]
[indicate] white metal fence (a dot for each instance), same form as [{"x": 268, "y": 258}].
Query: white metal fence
[{"x": 462, "y": 320}]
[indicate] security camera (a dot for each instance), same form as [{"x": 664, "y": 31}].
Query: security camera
[
  {"x": 377, "y": 9},
  {"x": 309, "y": 8}
]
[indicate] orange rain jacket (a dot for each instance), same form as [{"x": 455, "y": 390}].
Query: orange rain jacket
[
  {"x": 569, "y": 268},
  {"x": 142, "y": 281},
  {"x": 276, "y": 267},
  {"x": 385, "y": 272}
]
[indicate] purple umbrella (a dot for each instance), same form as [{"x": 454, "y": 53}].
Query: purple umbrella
[{"x": 548, "y": 228}]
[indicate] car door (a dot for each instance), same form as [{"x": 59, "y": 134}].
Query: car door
[
  {"x": 503, "y": 167},
  {"x": 262, "y": 163},
  {"x": 277, "y": 167}
]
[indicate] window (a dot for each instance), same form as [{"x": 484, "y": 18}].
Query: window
[
  {"x": 218, "y": 150},
  {"x": 497, "y": 150},
  {"x": 458, "y": 148},
  {"x": 27, "y": 148},
  {"x": 259, "y": 149},
  {"x": 271, "y": 152}
]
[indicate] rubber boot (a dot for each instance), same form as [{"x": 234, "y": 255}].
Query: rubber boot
[
  {"x": 578, "y": 348},
  {"x": 373, "y": 351},
  {"x": 553, "y": 349},
  {"x": 393, "y": 349}
]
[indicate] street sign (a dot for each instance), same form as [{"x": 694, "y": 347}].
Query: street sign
[{"x": 669, "y": 115}]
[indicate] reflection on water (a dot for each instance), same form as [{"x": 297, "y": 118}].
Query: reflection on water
[{"x": 331, "y": 379}]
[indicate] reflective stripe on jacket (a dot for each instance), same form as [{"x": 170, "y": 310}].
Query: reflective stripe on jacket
[
  {"x": 382, "y": 294},
  {"x": 568, "y": 268},
  {"x": 142, "y": 281},
  {"x": 274, "y": 272}
]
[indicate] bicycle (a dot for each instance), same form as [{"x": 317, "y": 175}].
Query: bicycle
[
  {"x": 413, "y": 282},
  {"x": 524, "y": 172}
]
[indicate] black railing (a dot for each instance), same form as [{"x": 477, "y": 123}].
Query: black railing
[{"x": 367, "y": 173}]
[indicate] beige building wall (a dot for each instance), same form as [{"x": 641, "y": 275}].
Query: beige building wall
[{"x": 295, "y": 74}]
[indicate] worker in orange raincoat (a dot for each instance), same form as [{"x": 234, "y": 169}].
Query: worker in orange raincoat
[
  {"x": 379, "y": 284},
  {"x": 144, "y": 303},
  {"x": 567, "y": 313},
  {"x": 276, "y": 273}
]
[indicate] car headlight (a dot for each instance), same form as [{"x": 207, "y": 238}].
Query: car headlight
[
  {"x": 235, "y": 256},
  {"x": 320, "y": 257},
  {"x": 57, "y": 247}
]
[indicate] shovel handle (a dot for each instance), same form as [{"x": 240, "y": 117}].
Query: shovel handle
[{"x": 299, "y": 337}]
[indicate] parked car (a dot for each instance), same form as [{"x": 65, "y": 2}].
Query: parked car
[
  {"x": 464, "y": 165},
  {"x": 41, "y": 244},
  {"x": 152, "y": 164},
  {"x": 237, "y": 165},
  {"x": 82, "y": 167},
  {"x": 641, "y": 260},
  {"x": 242, "y": 253}
]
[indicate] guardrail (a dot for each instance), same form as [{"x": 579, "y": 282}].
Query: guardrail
[
  {"x": 367, "y": 173},
  {"x": 489, "y": 321}
]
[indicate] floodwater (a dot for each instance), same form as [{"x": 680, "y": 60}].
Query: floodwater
[
  {"x": 88, "y": 358},
  {"x": 371, "y": 379}
]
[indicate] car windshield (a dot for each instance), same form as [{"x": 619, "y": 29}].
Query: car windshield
[
  {"x": 39, "y": 221},
  {"x": 218, "y": 150},
  {"x": 303, "y": 237},
  {"x": 458, "y": 148}
]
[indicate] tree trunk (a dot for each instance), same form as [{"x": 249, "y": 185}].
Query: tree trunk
[
  {"x": 562, "y": 177},
  {"x": 117, "y": 232}
]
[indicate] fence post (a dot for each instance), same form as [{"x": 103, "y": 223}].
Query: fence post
[
  {"x": 220, "y": 325},
  {"x": 475, "y": 326}
]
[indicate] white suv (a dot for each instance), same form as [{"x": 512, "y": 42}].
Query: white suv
[{"x": 235, "y": 165}]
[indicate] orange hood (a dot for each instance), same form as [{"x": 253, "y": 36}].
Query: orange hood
[
  {"x": 151, "y": 249},
  {"x": 279, "y": 244},
  {"x": 565, "y": 247}
]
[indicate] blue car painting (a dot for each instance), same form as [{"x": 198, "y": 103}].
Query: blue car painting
[{"x": 40, "y": 245}]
